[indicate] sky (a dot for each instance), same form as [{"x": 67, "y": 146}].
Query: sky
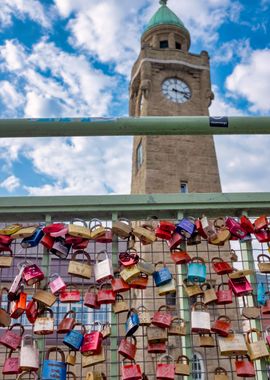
[{"x": 72, "y": 58}]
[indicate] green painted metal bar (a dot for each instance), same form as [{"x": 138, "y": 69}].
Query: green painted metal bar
[
  {"x": 133, "y": 206},
  {"x": 181, "y": 125}
]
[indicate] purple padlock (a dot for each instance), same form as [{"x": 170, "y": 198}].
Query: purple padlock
[{"x": 186, "y": 227}]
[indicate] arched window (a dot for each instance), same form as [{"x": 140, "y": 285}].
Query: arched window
[{"x": 197, "y": 367}]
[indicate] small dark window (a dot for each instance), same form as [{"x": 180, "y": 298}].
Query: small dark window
[
  {"x": 139, "y": 156},
  {"x": 178, "y": 45},
  {"x": 164, "y": 44},
  {"x": 183, "y": 187}
]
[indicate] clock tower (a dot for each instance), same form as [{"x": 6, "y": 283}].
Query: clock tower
[{"x": 168, "y": 80}]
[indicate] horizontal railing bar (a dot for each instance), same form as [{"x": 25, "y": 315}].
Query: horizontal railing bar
[
  {"x": 183, "y": 125},
  {"x": 133, "y": 206}
]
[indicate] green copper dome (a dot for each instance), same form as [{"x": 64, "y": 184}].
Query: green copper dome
[{"x": 164, "y": 16}]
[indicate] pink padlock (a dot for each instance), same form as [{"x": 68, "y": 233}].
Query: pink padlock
[
  {"x": 32, "y": 274},
  {"x": 240, "y": 286},
  {"x": 56, "y": 283},
  {"x": 235, "y": 228}
]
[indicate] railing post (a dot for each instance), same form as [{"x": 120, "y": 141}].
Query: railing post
[
  {"x": 114, "y": 370},
  {"x": 184, "y": 311},
  {"x": 248, "y": 263}
]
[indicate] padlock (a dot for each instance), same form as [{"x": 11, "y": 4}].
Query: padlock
[
  {"x": 78, "y": 269},
  {"x": 54, "y": 369},
  {"x": 92, "y": 341},
  {"x": 120, "y": 305},
  {"x": 264, "y": 267},
  {"x": 162, "y": 276},
  {"x": 56, "y": 283},
  {"x": 106, "y": 330},
  {"x": 261, "y": 294},
  {"x": 131, "y": 371},
  {"x": 145, "y": 234},
  {"x": 94, "y": 375},
  {"x": 133, "y": 322},
  {"x": 222, "y": 232},
  {"x": 250, "y": 312},
  {"x": 67, "y": 322},
  {"x": 221, "y": 374},
  {"x": 11, "y": 339},
  {"x": 139, "y": 282},
  {"x": 32, "y": 274},
  {"x": 246, "y": 224},
  {"x": 157, "y": 348},
  {"x": 209, "y": 294},
  {"x": 146, "y": 267},
  {"x": 194, "y": 239},
  {"x": 15, "y": 286},
  {"x": 122, "y": 228},
  {"x": 18, "y": 307},
  {"x": 105, "y": 294},
  {"x": 129, "y": 273},
  {"x": 256, "y": 350},
  {"x": 103, "y": 269},
  {"x": 162, "y": 234},
  {"x": 96, "y": 228},
  {"x": 32, "y": 311},
  {"x": 233, "y": 344},
  {"x": 53, "y": 227},
  {"x": 208, "y": 229},
  {"x": 165, "y": 371},
  {"x": 224, "y": 296},
  {"x": 180, "y": 257},
  {"x": 63, "y": 232},
  {"x": 244, "y": 367},
  {"x": 200, "y": 319},
  {"x": 240, "y": 286},
  {"x": 44, "y": 324},
  {"x": 221, "y": 267},
  {"x": 128, "y": 347},
  {"x": 235, "y": 228},
  {"x": 90, "y": 298},
  {"x": 206, "y": 341},
  {"x": 144, "y": 316},
  {"x": 199, "y": 228},
  {"x": 166, "y": 225},
  {"x": 29, "y": 354},
  {"x": 192, "y": 290},
  {"x": 92, "y": 360},
  {"x": 11, "y": 229},
  {"x": 177, "y": 327},
  {"x": 260, "y": 223},
  {"x": 169, "y": 288},
  {"x": 70, "y": 294},
  {"x": 74, "y": 338},
  {"x": 71, "y": 357},
  {"x": 265, "y": 309},
  {"x": 79, "y": 230},
  {"x": 182, "y": 366},
  {"x": 44, "y": 297},
  {"x": 6, "y": 260},
  {"x": 47, "y": 241},
  {"x": 60, "y": 247},
  {"x": 175, "y": 240},
  {"x": 33, "y": 240},
  {"x": 222, "y": 325},
  {"x": 11, "y": 365},
  {"x": 128, "y": 258},
  {"x": 186, "y": 227},
  {"x": 4, "y": 313},
  {"x": 162, "y": 318},
  {"x": 196, "y": 270},
  {"x": 80, "y": 244},
  {"x": 27, "y": 375},
  {"x": 107, "y": 237},
  {"x": 156, "y": 334},
  {"x": 263, "y": 236},
  {"x": 5, "y": 240},
  {"x": 233, "y": 256},
  {"x": 24, "y": 232},
  {"x": 118, "y": 284}
]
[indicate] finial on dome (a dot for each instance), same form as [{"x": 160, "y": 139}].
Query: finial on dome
[{"x": 163, "y": 2}]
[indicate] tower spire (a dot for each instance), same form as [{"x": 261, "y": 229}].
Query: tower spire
[{"x": 163, "y": 2}]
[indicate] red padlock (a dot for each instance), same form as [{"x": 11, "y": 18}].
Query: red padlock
[
  {"x": 165, "y": 225},
  {"x": 163, "y": 234},
  {"x": 222, "y": 326},
  {"x": 67, "y": 295},
  {"x": 224, "y": 296},
  {"x": 200, "y": 230},
  {"x": 67, "y": 322},
  {"x": 221, "y": 267},
  {"x": 32, "y": 311},
  {"x": 131, "y": 371},
  {"x": 11, "y": 365},
  {"x": 180, "y": 257},
  {"x": 5, "y": 239},
  {"x": 107, "y": 237},
  {"x": 10, "y": 339},
  {"x": 235, "y": 228},
  {"x": 128, "y": 347},
  {"x": 118, "y": 284},
  {"x": 240, "y": 286},
  {"x": 18, "y": 307},
  {"x": 129, "y": 258},
  {"x": 139, "y": 282},
  {"x": 263, "y": 236},
  {"x": 244, "y": 367},
  {"x": 261, "y": 223},
  {"x": 175, "y": 240},
  {"x": 246, "y": 224},
  {"x": 106, "y": 296},
  {"x": 32, "y": 274},
  {"x": 162, "y": 318},
  {"x": 56, "y": 283},
  {"x": 90, "y": 298},
  {"x": 47, "y": 241},
  {"x": 92, "y": 342},
  {"x": 54, "y": 227},
  {"x": 265, "y": 309},
  {"x": 165, "y": 371},
  {"x": 157, "y": 348},
  {"x": 81, "y": 246}
]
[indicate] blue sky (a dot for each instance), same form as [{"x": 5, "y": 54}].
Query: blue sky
[{"x": 61, "y": 58}]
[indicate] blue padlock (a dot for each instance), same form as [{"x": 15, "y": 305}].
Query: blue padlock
[
  {"x": 261, "y": 294},
  {"x": 133, "y": 322},
  {"x": 186, "y": 227},
  {"x": 54, "y": 369},
  {"x": 196, "y": 270},
  {"x": 33, "y": 241},
  {"x": 74, "y": 338},
  {"x": 162, "y": 276}
]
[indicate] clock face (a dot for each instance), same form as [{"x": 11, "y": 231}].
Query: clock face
[{"x": 176, "y": 90}]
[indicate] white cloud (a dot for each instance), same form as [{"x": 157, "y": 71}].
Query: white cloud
[
  {"x": 10, "y": 96},
  {"x": 222, "y": 106},
  {"x": 231, "y": 51},
  {"x": 22, "y": 9},
  {"x": 251, "y": 80},
  {"x": 10, "y": 184}
]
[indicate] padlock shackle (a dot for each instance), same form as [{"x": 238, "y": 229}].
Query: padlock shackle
[
  {"x": 160, "y": 263},
  {"x": 181, "y": 357},
  {"x": 7, "y": 250},
  {"x": 27, "y": 373},
  {"x": 201, "y": 304},
  {"x": 263, "y": 256},
  {"x": 70, "y": 312},
  {"x": 132, "y": 310},
  {"x": 220, "y": 223},
  {"x": 119, "y": 297},
  {"x": 131, "y": 337},
  {"x": 71, "y": 285},
  {"x": 78, "y": 220},
  {"x": 217, "y": 259},
  {"x": 28, "y": 337},
  {"x": 55, "y": 349},
  {"x": 220, "y": 370},
  {"x": 208, "y": 286},
  {"x": 97, "y": 222},
  {"x": 19, "y": 325},
  {"x": 107, "y": 284},
  {"x": 8, "y": 301},
  {"x": 242, "y": 357},
  {"x": 103, "y": 251},
  {"x": 198, "y": 260},
  {"x": 45, "y": 310},
  {"x": 97, "y": 323},
  {"x": 251, "y": 331},
  {"x": 165, "y": 356},
  {"x": 142, "y": 307},
  {"x": 181, "y": 320},
  {"x": 224, "y": 317},
  {"x": 92, "y": 287},
  {"x": 54, "y": 275},
  {"x": 167, "y": 308},
  {"x": 81, "y": 252},
  {"x": 222, "y": 285},
  {"x": 83, "y": 329},
  {"x": 72, "y": 374}
]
